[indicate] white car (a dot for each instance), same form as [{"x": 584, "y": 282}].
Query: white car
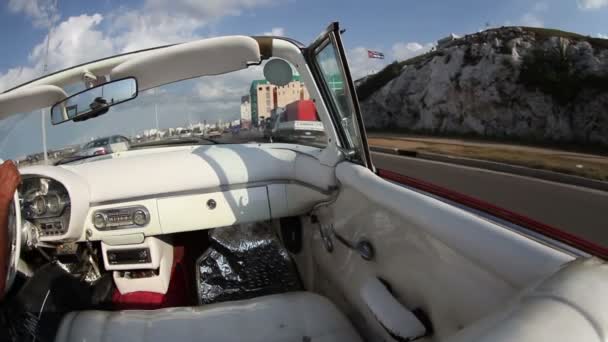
[
  {"x": 214, "y": 134},
  {"x": 269, "y": 241},
  {"x": 107, "y": 145}
]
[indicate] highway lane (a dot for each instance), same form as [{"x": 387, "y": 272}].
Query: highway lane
[{"x": 580, "y": 211}]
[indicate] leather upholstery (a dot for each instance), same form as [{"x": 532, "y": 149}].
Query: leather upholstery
[
  {"x": 567, "y": 306},
  {"x": 297, "y": 316}
]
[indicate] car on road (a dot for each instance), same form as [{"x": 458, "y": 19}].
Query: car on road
[
  {"x": 106, "y": 145},
  {"x": 214, "y": 133},
  {"x": 186, "y": 133}
]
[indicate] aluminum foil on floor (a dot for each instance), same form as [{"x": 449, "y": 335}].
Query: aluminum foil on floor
[{"x": 243, "y": 262}]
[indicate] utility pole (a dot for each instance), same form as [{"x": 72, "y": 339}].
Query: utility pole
[
  {"x": 156, "y": 114},
  {"x": 43, "y": 111}
]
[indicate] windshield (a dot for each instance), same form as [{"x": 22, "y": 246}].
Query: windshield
[{"x": 237, "y": 107}]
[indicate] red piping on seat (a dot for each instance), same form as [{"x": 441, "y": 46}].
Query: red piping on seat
[{"x": 498, "y": 212}]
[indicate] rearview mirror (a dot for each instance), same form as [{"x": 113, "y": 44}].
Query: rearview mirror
[{"x": 95, "y": 101}]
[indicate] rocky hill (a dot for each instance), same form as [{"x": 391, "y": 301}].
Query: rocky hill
[{"x": 508, "y": 83}]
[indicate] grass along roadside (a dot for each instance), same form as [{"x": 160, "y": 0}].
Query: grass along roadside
[{"x": 578, "y": 164}]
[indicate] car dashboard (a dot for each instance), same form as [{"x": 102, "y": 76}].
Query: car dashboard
[{"x": 136, "y": 194}]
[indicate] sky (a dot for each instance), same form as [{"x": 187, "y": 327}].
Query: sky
[{"x": 81, "y": 31}]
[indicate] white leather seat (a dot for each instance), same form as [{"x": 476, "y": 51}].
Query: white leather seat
[
  {"x": 297, "y": 316},
  {"x": 570, "y": 305}
]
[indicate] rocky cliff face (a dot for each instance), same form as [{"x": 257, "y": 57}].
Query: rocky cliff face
[{"x": 514, "y": 82}]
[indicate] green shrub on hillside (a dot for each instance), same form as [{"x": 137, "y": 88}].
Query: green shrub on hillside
[
  {"x": 557, "y": 79},
  {"x": 378, "y": 80},
  {"x": 553, "y": 73}
]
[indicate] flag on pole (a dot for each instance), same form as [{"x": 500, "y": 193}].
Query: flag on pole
[{"x": 375, "y": 54}]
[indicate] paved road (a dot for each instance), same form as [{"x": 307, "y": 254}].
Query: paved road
[{"x": 581, "y": 211}]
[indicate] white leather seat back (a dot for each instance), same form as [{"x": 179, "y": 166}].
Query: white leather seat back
[
  {"x": 571, "y": 305},
  {"x": 298, "y": 316}
]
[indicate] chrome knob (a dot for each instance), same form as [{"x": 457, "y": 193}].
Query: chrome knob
[
  {"x": 140, "y": 218},
  {"x": 100, "y": 221},
  {"x": 211, "y": 204}
]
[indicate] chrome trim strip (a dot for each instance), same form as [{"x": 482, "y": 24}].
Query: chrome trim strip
[{"x": 220, "y": 188}]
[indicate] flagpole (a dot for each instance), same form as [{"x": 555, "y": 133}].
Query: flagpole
[{"x": 373, "y": 55}]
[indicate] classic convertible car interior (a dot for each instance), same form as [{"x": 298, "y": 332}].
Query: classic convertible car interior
[{"x": 270, "y": 241}]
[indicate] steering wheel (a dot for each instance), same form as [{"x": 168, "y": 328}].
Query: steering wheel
[{"x": 14, "y": 239}]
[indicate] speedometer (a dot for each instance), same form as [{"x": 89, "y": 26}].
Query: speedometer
[
  {"x": 54, "y": 204},
  {"x": 46, "y": 204},
  {"x": 38, "y": 205}
]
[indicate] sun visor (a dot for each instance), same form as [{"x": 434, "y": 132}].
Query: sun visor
[
  {"x": 28, "y": 99},
  {"x": 212, "y": 56}
]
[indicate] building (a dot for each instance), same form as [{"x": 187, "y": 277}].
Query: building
[
  {"x": 446, "y": 40},
  {"x": 265, "y": 97},
  {"x": 246, "y": 111},
  {"x": 257, "y": 87}
]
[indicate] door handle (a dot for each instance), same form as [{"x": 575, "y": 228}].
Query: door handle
[
  {"x": 399, "y": 322},
  {"x": 363, "y": 247}
]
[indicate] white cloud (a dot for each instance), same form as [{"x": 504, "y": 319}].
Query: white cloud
[
  {"x": 160, "y": 22},
  {"x": 43, "y": 13},
  {"x": 592, "y": 4},
  {"x": 18, "y": 75},
  {"x": 81, "y": 38},
  {"x": 204, "y": 10},
  {"x": 403, "y": 51},
  {"x": 361, "y": 65},
  {"x": 74, "y": 41},
  {"x": 134, "y": 30},
  {"x": 602, "y": 36},
  {"x": 276, "y": 31},
  {"x": 224, "y": 91},
  {"x": 531, "y": 19}
]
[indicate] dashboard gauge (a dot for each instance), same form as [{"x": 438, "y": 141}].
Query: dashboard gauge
[
  {"x": 45, "y": 203},
  {"x": 53, "y": 204},
  {"x": 38, "y": 205}
]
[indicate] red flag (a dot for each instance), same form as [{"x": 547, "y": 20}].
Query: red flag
[{"x": 375, "y": 54}]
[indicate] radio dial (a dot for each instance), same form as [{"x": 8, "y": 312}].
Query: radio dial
[
  {"x": 100, "y": 221},
  {"x": 121, "y": 218},
  {"x": 140, "y": 218}
]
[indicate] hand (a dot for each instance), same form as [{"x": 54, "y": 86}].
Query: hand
[{"x": 9, "y": 180}]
